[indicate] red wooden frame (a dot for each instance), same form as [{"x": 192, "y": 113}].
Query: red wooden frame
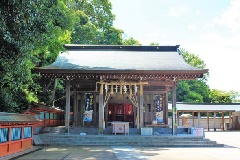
[{"x": 14, "y": 146}]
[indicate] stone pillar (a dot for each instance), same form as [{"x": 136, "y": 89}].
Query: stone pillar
[
  {"x": 141, "y": 107},
  {"x": 67, "y": 110},
  {"x": 101, "y": 110},
  {"x": 174, "y": 109}
]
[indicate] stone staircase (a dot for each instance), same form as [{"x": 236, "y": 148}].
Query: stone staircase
[
  {"x": 57, "y": 137},
  {"x": 122, "y": 140}
]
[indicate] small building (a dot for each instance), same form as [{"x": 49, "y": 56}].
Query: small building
[
  {"x": 189, "y": 114},
  {"x": 120, "y": 83},
  {"x": 49, "y": 115},
  {"x": 16, "y": 132}
]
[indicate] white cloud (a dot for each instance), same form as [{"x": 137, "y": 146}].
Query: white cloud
[
  {"x": 231, "y": 17},
  {"x": 177, "y": 11},
  {"x": 192, "y": 27}
]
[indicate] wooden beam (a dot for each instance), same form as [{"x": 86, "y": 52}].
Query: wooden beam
[
  {"x": 75, "y": 113},
  {"x": 214, "y": 121},
  {"x": 230, "y": 120},
  {"x": 101, "y": 111},
  {"x": 222, "y": 121},
  {"x": 67, "y": 111},
  {"x": 174, "y": 109},
  {"x": 199, "y": 118},
  {"x": 141, "y": 106},
  {"x": 166, "y": 107},
  {"x": 208, "y": 121},
  {"x": 193, "y": 118}
]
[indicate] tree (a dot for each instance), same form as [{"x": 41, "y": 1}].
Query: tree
[
  {"x": 193, "y": 90},
  {"x": 96, "y": 23},
  {"x": 218, "y": 96},
  {"x": 131, "y": 41},
  {"x": 31, "y": 33},
  {"x": 154, "y": 44}
]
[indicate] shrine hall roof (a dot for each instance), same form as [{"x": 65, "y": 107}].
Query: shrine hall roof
[{"x": 79, "y": 57}]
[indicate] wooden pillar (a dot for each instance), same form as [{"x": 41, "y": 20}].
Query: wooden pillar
[
  {"x": 135, "y": 114},
  {"x": 214, "y": 121},
  {"x": 208, "y": 121},
  {"x": 178, "y": 121},
  {"x": 230, "y": 120},
  {"x": 101, "y": 110},
  {"x": 199, "y": 118},
  {"x": 174, "y": 109},
  {"x": 95, "y": 110},
  {"x": 193, "y": 119},
  {"x": 141, "y": 106},
  {"x": 67, "y": 110},
  {"x": 222, "y": 121},
  {"x": 166, "y": 108},
  {"x": 152, "y": 110},
  {"x": 82, "y": 109},
  {"x": 75, "y": 110}
]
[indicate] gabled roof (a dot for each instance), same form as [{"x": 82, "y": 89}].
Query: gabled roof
[
  {"x": 10, "y": 118},
  {"x": 121, "y": 59}
]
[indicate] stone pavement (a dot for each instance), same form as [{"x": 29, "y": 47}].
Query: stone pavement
[{"x": 231, "y": 151}]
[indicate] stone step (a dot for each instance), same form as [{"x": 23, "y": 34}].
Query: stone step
[{"x": 154, "y": 141}]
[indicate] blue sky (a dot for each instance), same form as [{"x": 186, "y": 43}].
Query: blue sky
[{"x": 207, "y": 28}]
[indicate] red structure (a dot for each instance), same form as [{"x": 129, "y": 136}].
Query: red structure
[
  {"x": 49, "y": 116},
  {"x": 16, "y": 132}
]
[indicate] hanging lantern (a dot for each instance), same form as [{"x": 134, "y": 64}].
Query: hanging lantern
[
  {"x": 135, "y": 88},
  {"x": 106, "y": 88},
  {"x": 116, "y": 88},
  {"x": 125, "y": 88}
]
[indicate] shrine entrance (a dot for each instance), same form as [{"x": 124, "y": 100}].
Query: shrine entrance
[{"x": 121, "y": 112}]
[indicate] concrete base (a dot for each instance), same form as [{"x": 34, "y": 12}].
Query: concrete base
[{"x": 146, "y": 131}]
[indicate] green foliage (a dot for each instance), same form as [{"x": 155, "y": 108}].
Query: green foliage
[
  {"x": 154, "y": 44},
  {"x": 218, "y": 96},
  {"x": 31, "y": 33},
  {"x": 95, "y": 24},
  {"x": 196, "y": 91},
  {"x": 131, "y": 41},
  {"x": 192, "y": 59}
]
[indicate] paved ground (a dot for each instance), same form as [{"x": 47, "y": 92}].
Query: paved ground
[{"x": 231, "y": 151}]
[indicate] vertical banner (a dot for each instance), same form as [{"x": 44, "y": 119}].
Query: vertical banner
[
  {"x": 88, "y": 107},
  {"x": 159, "y": 109},
  {"x": 88, "y": 116}
]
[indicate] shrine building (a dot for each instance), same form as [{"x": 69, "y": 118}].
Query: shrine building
[{"x": 109, "y": 83}]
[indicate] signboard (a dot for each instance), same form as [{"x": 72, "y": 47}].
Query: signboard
[
  {"x": 88, "y": 116},
  {"x": 197, "y": 131}
]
